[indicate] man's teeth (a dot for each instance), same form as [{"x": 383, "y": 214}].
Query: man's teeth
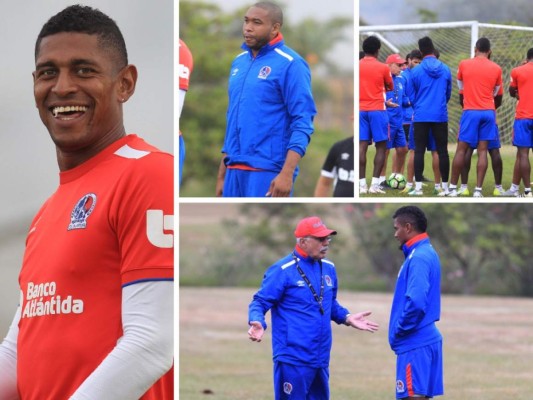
[{"x": 57, "y": 110}]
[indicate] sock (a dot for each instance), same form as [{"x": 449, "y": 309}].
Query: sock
[
  {"x": 418, "y": 186},
  {"x": 514, "y": 188},
  {"x": 409, "y": 185},
  {"x": 375, "y": 181},
  {"x": 445, "y": 186},
  {"x": 499, "y": 187},
  {"x": 437, "y": 186},
  {"x": 362, "y": 182},
  {"x": 382, "y": 179},
  {"x": 452, "y": 187},
  {"x": 527, "y": 190},
  {"x": 464, "y": 186},
  {"x": 478, "y": 189}
]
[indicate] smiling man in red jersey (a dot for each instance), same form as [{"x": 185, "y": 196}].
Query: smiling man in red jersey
[{"x": 97, "y": 275}]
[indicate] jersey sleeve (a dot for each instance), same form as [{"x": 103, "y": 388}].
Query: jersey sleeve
[
  {"x": 329, "y": 166},
  {"x": 143, "y": 219},
  {"x": 268, "y": 295}
]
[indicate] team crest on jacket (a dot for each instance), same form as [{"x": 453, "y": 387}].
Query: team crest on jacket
[
  {"x": 287, "y": 387},
  {"x": 83, "y": 208},
  {"x": 264, "y": 72},
  {"x": 327, "y": 278}
]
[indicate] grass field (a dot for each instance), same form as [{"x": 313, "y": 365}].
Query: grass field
[
  {"x": 508, "y": 154},
  {"x": 488, "y": 349}
]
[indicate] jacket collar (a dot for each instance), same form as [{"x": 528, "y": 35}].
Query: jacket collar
[{"x": 413, "y": 242}]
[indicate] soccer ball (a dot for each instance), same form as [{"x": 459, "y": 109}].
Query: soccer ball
[{"x": 397, "y": 181}]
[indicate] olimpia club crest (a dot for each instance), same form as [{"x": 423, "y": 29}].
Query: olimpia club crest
[{"x": 83, "y": 208}]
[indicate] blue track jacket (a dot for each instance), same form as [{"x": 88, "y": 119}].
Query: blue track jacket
[
  {"x": 301, "y": 335},
  {"x": 271, "y": 107},
  {"x": 432, "y": 87},
  {"x": 416, "y": 302},
  {"x": 399, "y": 97}
]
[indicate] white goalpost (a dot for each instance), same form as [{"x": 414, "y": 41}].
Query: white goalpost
[{"x": 455, "y": 42}]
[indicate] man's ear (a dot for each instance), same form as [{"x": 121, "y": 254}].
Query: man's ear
[{"x": 127, "y": 81}]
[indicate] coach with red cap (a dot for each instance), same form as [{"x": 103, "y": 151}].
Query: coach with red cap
[{"x": 301, "y": 291}]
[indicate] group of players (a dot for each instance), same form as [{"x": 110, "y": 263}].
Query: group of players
[{"x": 403, "y": 105}]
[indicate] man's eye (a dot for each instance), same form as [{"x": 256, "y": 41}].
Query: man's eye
[
  {"x": 47, "y": 73},
  {"x": 85, "y": 70}
]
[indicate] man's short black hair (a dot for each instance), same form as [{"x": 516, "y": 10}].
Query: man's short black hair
[
  {"x": 371, "y": 45},
  {"x": 415, "y": 53},
  {"x": 426, "y": 46},
  {"x": 413, "y": 215},
  {"x": 83, "y": 19},
  {"x": 275, "y": 12},
  {"x": 483, "y": 45},
  {"x": 530, "y": 54}
]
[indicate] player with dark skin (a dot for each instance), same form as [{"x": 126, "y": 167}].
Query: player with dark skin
[
  {"x": 72, "y": 70},
  {"x": 260, "y": 26}
]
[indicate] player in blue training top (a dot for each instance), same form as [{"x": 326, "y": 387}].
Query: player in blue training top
[
  {"x": 413, "y": 335},
  {"x": 270, "y": 112},
  {"x": 301, "y": 291}
]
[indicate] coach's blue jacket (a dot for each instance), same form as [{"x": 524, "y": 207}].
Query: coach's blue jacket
[
  {"x": 416, "y": 302},
  {"x": 271, "y": 107},
  {"x": 432, "y": 87},
  {"x": 301, "y": 335},
  {"x": 398, "y": 96}
]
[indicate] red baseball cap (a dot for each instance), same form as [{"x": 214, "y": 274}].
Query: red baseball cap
[
  {"x": 395, "y": 58},
  {"x": 312, "y": 226}
]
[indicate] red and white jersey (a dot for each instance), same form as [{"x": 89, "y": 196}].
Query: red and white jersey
[
  {"x": 109, "y": 224},
  {"x": 522, "y": 80},
  {"x": 375, "y": 80},
  {"x": 185, "y": 65},
  {"x": 479, "y": 77}
]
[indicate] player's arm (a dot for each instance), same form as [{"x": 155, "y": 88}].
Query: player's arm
[
  {"x": 145, "y": 351},
  {"x": 271, "y": 291},
  {"x": 296, "y": 88},
  {"x": 220, "y": 177},
  {"x": 324, "y": 186},
  {"x": 416, "y": 297},
  {"x": 8, "y": 361},
  {"x": 387, "y": 79},
  {"x": 513, "y": 88},
  {"x": 181, "y": 100},
  {"x": 281, "y": 185}
]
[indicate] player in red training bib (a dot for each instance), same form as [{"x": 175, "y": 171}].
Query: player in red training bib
[
  {"x": 185, "y": 70},
  {"x": 479, "y": 80},
  {"x": 95, "y": 318},
  {"x": 375, "y": 80},
  {"x": 521, "y": 87}
]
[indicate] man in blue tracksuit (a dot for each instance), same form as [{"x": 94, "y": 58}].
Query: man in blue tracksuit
[
  {"x": 301, "y": 292},
  {"x": 432, "y": 88},
  {"x": 270, "y": 112},
  {"x": 413, "y": 335}
]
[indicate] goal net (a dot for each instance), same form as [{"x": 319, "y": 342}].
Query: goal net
[{"x": 455, "y": 42}]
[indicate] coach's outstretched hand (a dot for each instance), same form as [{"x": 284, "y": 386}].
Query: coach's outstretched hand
[
  {"x": 256, "y": 331},
  {"x": 360, "y": 322}
]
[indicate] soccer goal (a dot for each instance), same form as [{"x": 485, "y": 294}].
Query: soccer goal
[{"x": 455, "y": 42}]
